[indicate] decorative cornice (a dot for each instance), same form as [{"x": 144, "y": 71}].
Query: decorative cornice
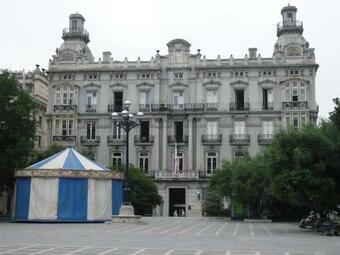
[
  {"x": 267, "y": 83},
  {"x": 294, "y": 79},
  {"x": 118, "y": 84},
  {"x": 178, "y": 84},
  {"x": 145, "y": 84},
  {"x": 212, "y": 82},
  {"x": 91, "y": 174},
  {"x": 239, "y": 82},
  {"x": 92, "y": 85}
]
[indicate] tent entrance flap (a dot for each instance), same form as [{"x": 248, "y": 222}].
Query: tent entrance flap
[
  {"x": 22, "y": 198},
  {"x": 72, "y": 199}
]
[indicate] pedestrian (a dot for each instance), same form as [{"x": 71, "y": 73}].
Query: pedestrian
[
  {"x": 175, "y": 213},
  {"x": 183, "y": 213}
]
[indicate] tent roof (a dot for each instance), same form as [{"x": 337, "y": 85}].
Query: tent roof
[{"x": 68, "y": 159}]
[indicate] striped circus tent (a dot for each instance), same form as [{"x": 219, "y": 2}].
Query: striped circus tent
[{"x": 66, "y": 187}]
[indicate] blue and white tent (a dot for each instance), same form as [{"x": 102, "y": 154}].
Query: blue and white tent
[{"x": 66, "y": 187}]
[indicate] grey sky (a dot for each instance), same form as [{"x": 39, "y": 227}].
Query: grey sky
[{"x": 30, "y": 31}]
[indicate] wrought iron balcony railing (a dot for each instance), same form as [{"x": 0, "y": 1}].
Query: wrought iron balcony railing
[
  {"x": 268, "y": 106},
  {"x": 144, "y": 140},
  {"x": 211, "y": 139},
  {"x": 116, "y": 139},
  {"x": 289, "y": 27},
  {"x": 265, "y": 139},
  {"x": 114, "y": 108},
  {"x": 65, "y": 108},
  {"x": 91, "y": 108},
  {"x": 172, "y": 139},
  {"x": 301, "y": 105},
  {"x": 211, "y": 107},
  {"x": 239, "y": 139},
  {"x": 64, "y": 135},
  {"x": 88, "y": 140},
  {"x": 239, "y": 107},
  {"x": 76, "y": 33},
  {"x": 185, "y": 174}
]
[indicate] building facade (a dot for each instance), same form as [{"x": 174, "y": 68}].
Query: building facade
[{"x": 205, "y": 110}]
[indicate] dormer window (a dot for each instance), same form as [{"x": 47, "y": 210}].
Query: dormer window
[
  {"x": 67, "y": 77},
  {"x": 93, "y": 76},
  {"x": 267, "y": 73},
  {"x": 119, "y": 76},
  {"x": 145, "y": 76},
  {"x": 239, "y": 74},
  {"x": 211, "y": 75},
  {"x": 178, "y": 76}
]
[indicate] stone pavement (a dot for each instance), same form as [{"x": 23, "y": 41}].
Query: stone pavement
[{"x": 168, "y": 236}]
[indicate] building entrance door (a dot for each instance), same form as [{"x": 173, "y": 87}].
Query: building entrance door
[{"x": 177, "y": 201}]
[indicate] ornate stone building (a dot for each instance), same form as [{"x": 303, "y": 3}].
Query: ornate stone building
[{"x": 208, "y": 110}]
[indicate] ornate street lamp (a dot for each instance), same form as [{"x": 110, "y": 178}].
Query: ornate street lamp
[{"x": 127, "y": 121}]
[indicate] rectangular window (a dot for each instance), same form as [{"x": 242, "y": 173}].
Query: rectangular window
[
  {"x": 119, "y": 76},
  {"x": 178, "y": 76},
  {"x": 116, "y": 160},
  {"x": 93, "y": 76},
  {"x": 239, "y": 96},
  {"x": 240, "y": 127},
  {"x": 91, "y": 130},
  {"x": 267, "y": 99},
  {"x": 116, "y": 131},
  {"x": 179, "y": 131},
  {"x": 91, "y": 99},
  {"x": 178, "y": 99},
  {"x": 145, "y": 98},
  {"x": 212, "y": 127},
  {"x": 118, "y": 101},
  {"x": 144, "y": 131},
  {"x": 74, "y": 24},
  {"x": 296, "y": 122},
  {"x": 145, "y": 76},
  {"x": 211, "y": 162},
  {"x": 267, "y": 127},
  {"x": 212, "y": 96},
  {"x": 211, "y": 75},
  {"x": 144, "y": 162}
]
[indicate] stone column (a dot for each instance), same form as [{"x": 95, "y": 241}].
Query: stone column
[
  {"x": 190, "y": 145},
  {"x": 165, "y": 144}
]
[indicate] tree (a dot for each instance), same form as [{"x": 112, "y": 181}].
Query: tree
[
  {"x": 334, "y": 116},
  {"x": 143, "y": 192},
  {"x": 17, "y": 129},
  {"x": 301, "y": 169},
  {"x": 250, "y": 184}
]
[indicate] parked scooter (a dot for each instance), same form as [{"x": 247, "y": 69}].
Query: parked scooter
[{"x": 310, "y": 221}]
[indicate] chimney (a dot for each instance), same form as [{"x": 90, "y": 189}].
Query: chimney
[{"x": 252, "y": 52}]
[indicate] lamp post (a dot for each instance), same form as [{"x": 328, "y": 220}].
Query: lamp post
[{"x": 127, "y": 122}]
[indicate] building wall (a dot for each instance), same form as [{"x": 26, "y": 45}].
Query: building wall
[{"x": 73, "y": 70}]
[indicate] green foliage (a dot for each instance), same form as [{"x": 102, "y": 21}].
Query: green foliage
[
  {"x": 143, "y": 192},
  {"x": 88, "y": 152},
  {"x": 301, "y": 168},
  {"x": 213, "y": 205},
  {"x": 334, "y": 116},
  {"x": 17, "y": 129},
  {"x": 251, "y": 183}
]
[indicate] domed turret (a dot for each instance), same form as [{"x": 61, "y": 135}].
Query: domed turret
[
  {"x": 75, "y": 43},
  {"x": 290, "y": 42}
]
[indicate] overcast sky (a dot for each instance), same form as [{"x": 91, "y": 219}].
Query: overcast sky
[{"x": 30, "y": 31}]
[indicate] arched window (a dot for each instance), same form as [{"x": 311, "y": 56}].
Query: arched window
[
  {"x": 144, "y": 162},
  {"x": 211, "y": 162},
  {"x": 295, "y": 91}
]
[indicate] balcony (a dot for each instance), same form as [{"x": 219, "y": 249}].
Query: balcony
[
  {"x": 172, "y": 175},
  {"x": 301, "y": 105},
  {"x": 189, "y": 107},
  {"x": 87, "y": 140},
  {"x": 268, "y": 107},
  {"x": 211, "y": 139},
  {"x": 145, "y": 107},
  {"x": 289, "y": 27},
  {"x": 172, "y": 140},
  {"x": 239, "y": 139},
  {"x": 144, "y": 140},
  {"x": 211, "y": 107},
  {"x": 204, "y": 174},
  {"x": 264, "y": 139},
  {"x": 65, "y": 108},
  {"x": 64, "y": 135},
  {"x": 76, "y": 34},
  {"x": 114, "y": 108},
  {"x": 116, "y": 140},
  {"x": 91, "y": 108},
  {"x": 239, "y": 107}
]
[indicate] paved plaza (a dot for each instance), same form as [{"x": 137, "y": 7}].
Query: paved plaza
[{"x": 168, "y": 236}]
